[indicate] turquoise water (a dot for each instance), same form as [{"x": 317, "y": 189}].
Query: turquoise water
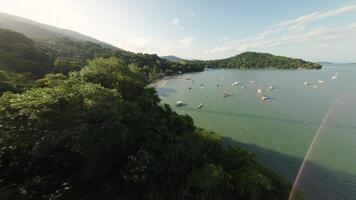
[{"x": 280, "y": 129}]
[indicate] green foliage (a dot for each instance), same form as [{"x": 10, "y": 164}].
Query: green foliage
[
  {"x": 101, "y": 134},
  {"x": 20, "y": 54},
  {"x": 13, "y": 82},
  {"x": 253, "y": 60},
  {"x": 73, "y": 55},
  {"x": 61, "y": 55}
]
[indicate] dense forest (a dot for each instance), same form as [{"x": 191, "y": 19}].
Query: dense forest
[
  {"x": 255, "y": 60},
  {"x": 79, "y": 121},
  {"x": 23, "y": 55}
]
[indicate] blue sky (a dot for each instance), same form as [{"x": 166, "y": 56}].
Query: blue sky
[{"x": 316, "y": 30}]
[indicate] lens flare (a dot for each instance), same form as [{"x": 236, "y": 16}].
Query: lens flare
[{"x": 293, "y": 194}]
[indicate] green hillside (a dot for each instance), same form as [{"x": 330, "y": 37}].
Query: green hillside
[
  {"x": 20, "y": 54},
  {"x": 255, "y": 60},
  {"x": 173, "y": 58},
  {"x": 23, "y": 55}
]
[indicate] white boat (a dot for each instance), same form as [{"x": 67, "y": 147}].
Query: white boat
[
  {"x": 225, "y": 94},
  {"x": 242, "y": 87},
  {"x": 253, "y": 82},
  {"x": 264, "y": 97},
  {"x": 222, "y": 78},
  {"x": 200, "y": 106},
  {"x": 321, "y": 81},
  {"x": 235, "y": 83},
  {"x": 271, "y": 87},
  {"x": 202, "y": 87},
  {"x": 306, "y": 83},
  {"x": 315, "y": 86},
  {"x": 335, "y": 76},
  {"x": 179, "y": 103},
  {"x": 259, "y": 91}
]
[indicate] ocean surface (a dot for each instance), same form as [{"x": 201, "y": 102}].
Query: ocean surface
[{"x": 314, "y": 123}]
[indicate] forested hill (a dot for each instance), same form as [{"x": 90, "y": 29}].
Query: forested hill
[
  {"x": 62, "y": 55},
  {"x": 173, "y": 58},
  {"x": 255, "y": 60},
  {"x": 20, "y": 54},
  {"x": 71, "y": 55}
]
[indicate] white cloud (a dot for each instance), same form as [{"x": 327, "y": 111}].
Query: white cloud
[
  {"x": 226, "y": 38},
  {"x": 191, "y": 13},
  {"x": 293, "y": 32},
  {"x": 176, "y": 22},
  {"x": 186, "y": 42},
  {"x": 300, "y": 22}
]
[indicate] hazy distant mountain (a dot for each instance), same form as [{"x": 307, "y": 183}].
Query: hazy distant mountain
[
  {"x": 35, "y": 30},
  {"x": 172, "y": 58},
  {"x": 324, "y": 63}
]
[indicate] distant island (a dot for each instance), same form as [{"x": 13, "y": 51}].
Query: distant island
[{"x": 255, "y": 60}]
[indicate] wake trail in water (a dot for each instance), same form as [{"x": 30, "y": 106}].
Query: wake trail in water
[{"x": 307, "y": 155}]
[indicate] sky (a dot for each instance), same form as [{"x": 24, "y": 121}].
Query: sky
[{"x": 315, "y": 30}]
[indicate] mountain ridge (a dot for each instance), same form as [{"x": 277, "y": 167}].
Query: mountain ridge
[
  {"x": 40, "y": 31},
  {"x": 173, "y": 58}
]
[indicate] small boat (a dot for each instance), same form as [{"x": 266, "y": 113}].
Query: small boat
[
  {"x": 259, "y": 91},
  {"x": 235, "y": 83},
  {"x": 242, "y": 87},
  {"x": 200, "y": 106},
  {"x": 321, "y": 81},
  {"x": 222, "y": 78},
  {"x": 225, "y": 94},
  {"x": 202, "y": 87},
  {"x": 179, "y": 103},
  {"x": 253, "y": 82},
  {"x": 271, "y": 87},
  {"x": 315, "y": 86},
  {"x": 335, "y": 76},
  {"x": 306, "y": 83},
  {"x": 264, "y": 97},
  {"x": 217, "y": 85},
  {"x": 189, "y": 88}
]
